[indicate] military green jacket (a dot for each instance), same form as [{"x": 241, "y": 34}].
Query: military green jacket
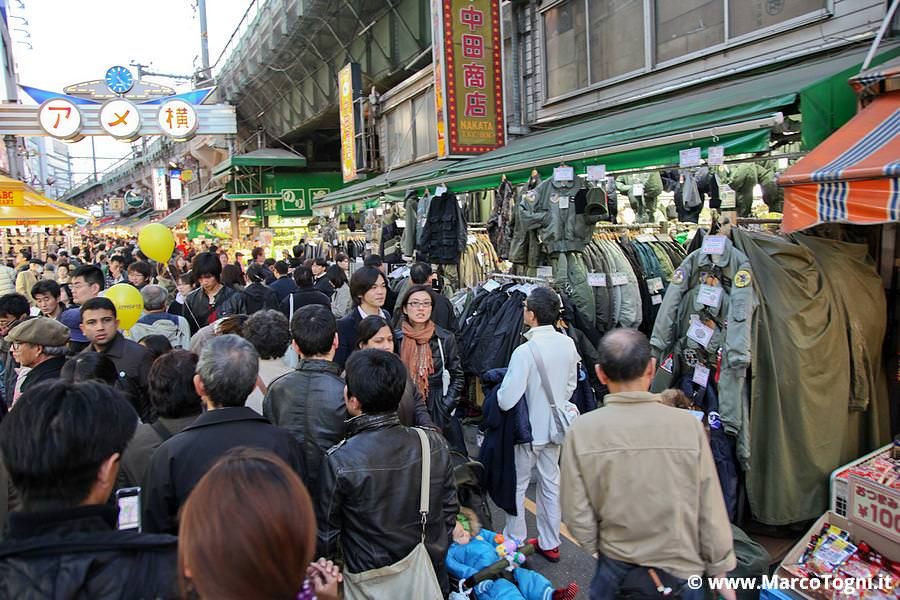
[{"x": 563, "y": 213}]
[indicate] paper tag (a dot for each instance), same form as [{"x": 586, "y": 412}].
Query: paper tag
[
  {"x": 619, "y": 279},
  {"x": 564, "y": 174},
  {"x": 597, "y": 279},
  {"x": 490, "y": 285},
  {"x": 440, "y": 190},
  {"x": 715, "y": 155},
  {"x": 698, "y": 414},
  {"x": 655, "y": 284},
  {"x": 401, "y": 224},
  {"x": 398, "y": 272},
  {"x": 710, "y": 295},
  {"x": 596, "y": 172},
  {"x": 655, "y": 299},
  {"x": 637, "y": 189},
  {"x": 545, "y": 271},
  {"x": 713, "y": 244},
  {"x": 701, "y": 375},
  {"x": 379, "y": 211},
  {"x": 480, "y": 257},
  {"x": 563, "y": 202},
  {"x": 359, "y": 260},
  {"x": 700, "y": 333},
  {"x": 471, "y": 239},
  {"x": 689, "y": 157},
  {"x": 334, "y": 243},
  {"x": 646, "y": 238}
]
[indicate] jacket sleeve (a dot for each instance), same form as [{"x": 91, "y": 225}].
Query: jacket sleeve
[
  {"x": 716, "y": 542},
  {"x": 738, "y": 340},
  {"x": 344, "y": 327},
  {"x": 575, "y": 502},
  {"x": 329, "y": 510},
  {"x": 455, "y": 566},
  {"x": 454, "y": 366},
  {"x": 572, "y": 381},
  {"x": 421, "y": 417},
  {"x": 664, "y": 330},
  {"x": 158, "y": 496},
  {"x": 450, "y": 503},
  {"x": 184, "y": 333},
  {"x": 516, "y": 379}
]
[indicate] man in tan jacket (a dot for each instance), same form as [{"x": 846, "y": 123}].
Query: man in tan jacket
[{"x": 639, "y": 485}]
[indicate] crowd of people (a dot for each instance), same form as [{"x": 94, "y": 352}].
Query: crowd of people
[{"x": 258, "y": 433}]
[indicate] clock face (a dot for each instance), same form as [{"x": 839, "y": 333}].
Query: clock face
[{"x": 119, "y": 80}]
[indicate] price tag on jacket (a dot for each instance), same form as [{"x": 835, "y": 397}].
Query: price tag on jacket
[
  {"x": 491, "y": 285},
  {"x": 359, "y": 260},
  {"x": 646, "y": 238},
  {"x": 398, "y": 272},
  {"x": 710, "y": 295},
  {"x": 401, "y": 224},
  {"x": 690, "y": 157},
  {"x": 596, "y": 172},
  {"x": 440, "y": 190},
  {"x": 563, "y": 202},
  {"x": 700, "y": 333},
  {"x": 715, "y": 155},
  {"x": 637, "y": 189},
  {"x": 597, "y": 279},
  {"x": 619, "y": 279},
  {"x": 480, "y": 257},
  {"x": 564, "y": 174},
  {"x": 655, "y": 299},
  {"x": 545, "y": 271},
  {"x": 471, "y": 239},
  {"x": 655, "y": 284},
  {"x": 713, "y": 244},
  {"x": 701, "y": 375}
]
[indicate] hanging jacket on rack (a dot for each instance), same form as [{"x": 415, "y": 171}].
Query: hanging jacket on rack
[
  {"x": 391, "y": 252},
  {"x": 563, "y": 213},
  {"x": 410, "y": 233},
  {"x": 499, "y": 225},
  {"x": 444, "y": 233}
]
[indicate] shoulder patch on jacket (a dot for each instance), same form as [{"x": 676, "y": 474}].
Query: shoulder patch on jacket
[
  {"x": 742, "y": 278},
  {"x": 678, "y": 276}
]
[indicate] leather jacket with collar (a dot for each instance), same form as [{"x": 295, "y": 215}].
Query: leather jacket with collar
[{"x": 229, "y": 301}]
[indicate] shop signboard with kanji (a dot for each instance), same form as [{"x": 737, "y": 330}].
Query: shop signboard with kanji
[
  {"x": 349, "y": 90},
  {"x": 468, "y": 76}
]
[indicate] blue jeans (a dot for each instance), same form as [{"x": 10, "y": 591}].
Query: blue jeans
[{"x": 609, "y": 576}]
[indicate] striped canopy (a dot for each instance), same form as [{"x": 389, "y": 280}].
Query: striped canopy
[{"x": 853, "y": 176}]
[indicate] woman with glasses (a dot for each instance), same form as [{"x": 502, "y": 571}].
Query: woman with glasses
[{"x": 432, "y": 359}]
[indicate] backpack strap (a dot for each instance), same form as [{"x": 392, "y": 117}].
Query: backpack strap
[{"x": 161, "y": 430}]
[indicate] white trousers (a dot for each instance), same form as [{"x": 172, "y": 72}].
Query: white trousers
[{"x": 549, "y": 516}]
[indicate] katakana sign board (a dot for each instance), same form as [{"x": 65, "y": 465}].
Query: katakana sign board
[
  {"x": 468, "y": 76},
  {"x": 60, "y": 118},
  {"x": 121, "y": 119}
]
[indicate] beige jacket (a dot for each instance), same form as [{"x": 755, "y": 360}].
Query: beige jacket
[{"x": 639, "y": 485}]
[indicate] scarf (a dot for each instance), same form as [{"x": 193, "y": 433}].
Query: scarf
[{"x": 415, "y": 352}]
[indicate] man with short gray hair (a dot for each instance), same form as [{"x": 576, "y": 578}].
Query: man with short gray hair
[
  {"x": 156, "y": 320},
  {"x": 225, "y": 375}
]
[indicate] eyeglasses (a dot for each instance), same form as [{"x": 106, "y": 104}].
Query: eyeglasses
[{"x": 419, "y": 304}]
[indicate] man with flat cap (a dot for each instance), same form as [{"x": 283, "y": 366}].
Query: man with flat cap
[{"x": 39, "y": 347}]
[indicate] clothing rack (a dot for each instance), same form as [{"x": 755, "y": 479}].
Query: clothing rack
[{"x": 519, "y": 278}]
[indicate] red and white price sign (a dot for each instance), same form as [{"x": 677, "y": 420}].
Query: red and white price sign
[{"x": 875, "y": 507}]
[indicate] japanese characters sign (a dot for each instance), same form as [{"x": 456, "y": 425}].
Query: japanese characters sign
[
  {"x": 349, "y": 88},
  {"x": 160, "y": 193},
  {"x": 468, "y": 76},
  {"x": 121, "y": 120},
  {"x": 875, "y": 507},
  {"x": 60, "y": 118},
  {"x": 178, "y": 120}
]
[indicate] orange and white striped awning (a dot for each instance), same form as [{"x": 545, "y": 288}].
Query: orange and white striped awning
[{"x": 853, "y": 176}]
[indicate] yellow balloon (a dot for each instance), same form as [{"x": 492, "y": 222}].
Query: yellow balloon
[
  {"x": 157, "y": 242},
  {"x": 128, "y": 301}
]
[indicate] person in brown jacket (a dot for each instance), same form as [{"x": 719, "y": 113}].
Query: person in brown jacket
[{"x": 639, "y": 485}]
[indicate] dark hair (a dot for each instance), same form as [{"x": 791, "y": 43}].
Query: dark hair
[
  {"x": 14, "y": 305},
  {"x": 303, "y": 276},
  {"x": 157, "y": 344},
  {"x": 50, "y": 442},
  {"x": 36, "y": 261},
  {"x": 247, "y": 530},
  {"x": 624, "y": 354},
  {"x": 187, "y": 278},
  {"x": 269, "y": 262},
  {"x": 367, "y": 329},
  {"x": 320, "y": 262},
  {"x": 75, "y": 250},
  {"x": 340, "y": 257},
  {"x": 373, "y": 260},
  {"x": 45, "y": 286},
  {"x": 545, "y": 305},
  {"x": 255, "y": 273},
  {"x": 51, "y": 256},
  {"x": 313, "y": 328},
  {"x": 90, "y": 366},
  {"x": 206, "y": 263},
  {"x": 141, "y": 267},
  {"x": 415, "y": 289},
  {"x": 99, "y": 303},
  {"x": 269, "y": 332},
  {"x": 419, "y": 272},
  {"x": 364, "y": 280},
  {"x": 297, "y": 250},
  {"x": 117, "y": 258},
  {"x": 257, "y": 252},
  {"x": 171, "y": 385},
  {"x": 232, "y": 276},
  {"x": 377, "y": 379},
  {"x": 92, "y": 275},
  {"x": 282, "y": 267},
  {"x": 336, "y": 276}
]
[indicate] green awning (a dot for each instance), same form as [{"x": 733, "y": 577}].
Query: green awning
[
  {"x": 371, "y": 188},
  {"x": 264, "y": 157},
  {"x": 192, "y": 207},
  {"x": 251, "y": 197}
]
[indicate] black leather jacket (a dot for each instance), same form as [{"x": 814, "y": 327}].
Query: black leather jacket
[
  {"x": 309, "y": 402},
  {"x": 77, "y": 553},
  {"x": 370, "y": 496},
  {"x": 229, "y": 301}
]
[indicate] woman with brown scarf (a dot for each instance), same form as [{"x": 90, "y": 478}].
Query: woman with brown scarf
[{"x": 432, "y": 359}]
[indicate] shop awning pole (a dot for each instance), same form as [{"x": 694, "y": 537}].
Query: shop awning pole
[
  {"x": 888, "y": 18},
  {"x": 763, "y": 123}
]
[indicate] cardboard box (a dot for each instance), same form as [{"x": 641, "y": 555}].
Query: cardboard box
[{"x": 858, "y": 533}]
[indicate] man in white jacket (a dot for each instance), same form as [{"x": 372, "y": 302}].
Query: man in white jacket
[
  {"x": 156, "y": 320},
  {"x": 560, "y": 360}
]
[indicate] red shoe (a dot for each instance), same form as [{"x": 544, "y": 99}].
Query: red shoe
[
  {"x": 567, "y": 593},
  {"x": 551, "y": 555}
]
